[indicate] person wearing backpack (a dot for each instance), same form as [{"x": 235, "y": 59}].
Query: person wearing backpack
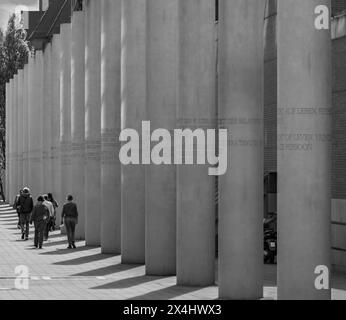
[
  {"x": 17, "y": 207},
  {"x": 26, "y": 205}
]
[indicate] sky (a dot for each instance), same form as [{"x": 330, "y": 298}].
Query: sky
[{"x": 7, "y": 7}]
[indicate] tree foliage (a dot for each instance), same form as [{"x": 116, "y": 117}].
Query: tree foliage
[{"x": 14, "y": 52}]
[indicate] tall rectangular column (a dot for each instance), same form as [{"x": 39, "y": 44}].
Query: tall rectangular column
[
  {"x": 46, "y": 120},
  {"x": 36, "y": 177},
  {"x": 304, "y": 149},
  {"x": 25, "y": 135},
  {"x": 31, "y": 118},
  {"x": 93, "y": 122},
  {"x": 65, "y": 111},
  {"x": 162, "y": 80},
  {"x": 55, "y": 124},
  {"x": 133, "y": 108},
  {"x": 241, "y": 112},
  {"x": 110, "y": 126},
  {"x": 10, "y": 133},
  {"x": 14, "y": 142},
  {"x": 20, "y": 122},
  {"x": 15, "y": 190},
  {"x": 7, "y": 152},
  {"x": 78, "y": 118},
  {"x": 196, "y": 110}
]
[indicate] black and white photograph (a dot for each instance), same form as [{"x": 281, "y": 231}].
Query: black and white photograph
[{"x": 185, "y": 152}]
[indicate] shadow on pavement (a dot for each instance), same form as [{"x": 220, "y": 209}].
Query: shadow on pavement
[
  {"x": 14, "y": 223},
  {"x": 10, "y": 210},
  {"x": 55, "y": 243},
  {"x": 82, "y": 260},
  {"x": 128, "y": 283},
  {"x": 166, "y": 293},
  {"x": 54, "y": 236},
  {"x": 68, "y": 251},
  {"x": 106, "y": 270},
  {"x": 7, "y": 219}
]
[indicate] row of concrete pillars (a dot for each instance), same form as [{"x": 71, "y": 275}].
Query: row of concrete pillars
[{"x": 121, "y": 62}]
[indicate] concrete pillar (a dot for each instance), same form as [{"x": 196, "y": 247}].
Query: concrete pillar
[
  {"x": 65, "y": 111},
  {"x": 10, "y": 133},
  {"x": 133, "y": 106},
  {"x": 304, "y": 155},
  {"x": 110, "y": 126},
  {"x": 93, "y": 122},
  {"x": 196, "y": 105},
  {"x": 78, "y": 117},
  {"x": 25, "y": 135},
  {"x": 46, "y": 120},
  {"x": 20, "y": 122},
  {"x": 15, "y": 137},
  {"x": 36, "y": 176},
  {"x": 7, "y": 152},
  {"x": 241, "y": 112},
  {"x": 55, "y": 124},
  {"x": 162, "y": 70},
  {"x": 31, "y": 110}
]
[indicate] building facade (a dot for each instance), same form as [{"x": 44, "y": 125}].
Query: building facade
[{"x": 102, "y": 66}]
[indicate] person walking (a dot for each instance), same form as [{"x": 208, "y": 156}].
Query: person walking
[
  {"x": 17, "y": 207},
  {"x": 50, "y": 208},
  {"x": 69, "y": 217},
  {"x": 26, "y": 205},
  {"x": 55, "y": 206},
  {"x": 39, "y": 217}
]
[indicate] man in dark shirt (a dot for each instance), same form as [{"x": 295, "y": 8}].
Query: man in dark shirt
[
  {"x": 25, "y": 205},
  {"x": 17, "y": 207},
  {"x": 39, "y": 217},
  {"x": 69, "y": 217}
]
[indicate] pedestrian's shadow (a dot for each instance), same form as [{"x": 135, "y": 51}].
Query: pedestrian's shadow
[
  {"x": 58, "y": 235},
  {"x": 54, "y": 243},
  {"x": 31, "y": 248},
  {"x": 58, "y": 252}
]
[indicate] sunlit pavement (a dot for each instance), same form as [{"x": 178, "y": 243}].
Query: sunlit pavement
[{"x": 85, "y": 273}]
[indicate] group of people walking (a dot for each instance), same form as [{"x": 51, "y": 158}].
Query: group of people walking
[{"x": 43, "y": 216}]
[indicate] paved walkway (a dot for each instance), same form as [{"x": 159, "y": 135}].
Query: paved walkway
[{"x": 85, "y": 273}]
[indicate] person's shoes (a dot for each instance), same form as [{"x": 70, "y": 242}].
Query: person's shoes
[
  {"x": 27, "y": 238},
  {"x": 36, "y": 246},
  {"x": 23, "y": 236},
  {"x": 74, "y": 246},
  {"x": 69, "y": 247},
  {"x": 40, "y": 247}
]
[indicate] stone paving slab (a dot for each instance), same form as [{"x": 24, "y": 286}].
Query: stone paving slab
[{"x": 56, "y": 273}]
